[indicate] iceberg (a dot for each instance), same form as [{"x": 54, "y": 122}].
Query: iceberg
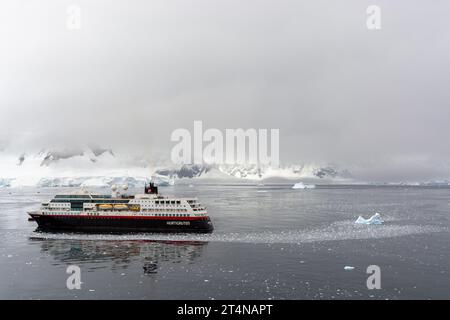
[
  {"x": 349, "y": 268},
  {"x": 300, "y": 185},
  {"x": 375, "y": 219}
]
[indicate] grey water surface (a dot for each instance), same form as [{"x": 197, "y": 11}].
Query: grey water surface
[{"x": 270, "y": 242}]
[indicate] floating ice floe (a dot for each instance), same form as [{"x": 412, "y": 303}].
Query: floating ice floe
[
  {"x": 348, "y": 268},
  {"x": 300, "y": 185},
  {"x": 375, "y": 219}
]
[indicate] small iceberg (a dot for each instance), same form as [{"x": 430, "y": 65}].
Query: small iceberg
[
  {"x": 375, "y": 219},
  {"x": 348, "y": 268},
  {"x": 300, "y": 185}
]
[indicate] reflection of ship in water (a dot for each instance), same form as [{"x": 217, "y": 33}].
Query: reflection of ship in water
[{"x": 119, "y": 254}]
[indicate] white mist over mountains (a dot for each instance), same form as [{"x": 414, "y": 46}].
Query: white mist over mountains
[
  {"x": 370, "y": 105},
  {"x": 94, "y": 166}
]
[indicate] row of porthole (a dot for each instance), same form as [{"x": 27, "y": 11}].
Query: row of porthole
[
  {"x": 171, "y": 215},
  {"x": 165, "y": 210},
  {"x": 56, "y": 213},
  {"x": 163, "y": 202},
  {"x": 156, "y": 207}
]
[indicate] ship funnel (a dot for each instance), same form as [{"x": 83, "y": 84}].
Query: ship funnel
[{"x": 151, "y": 188}]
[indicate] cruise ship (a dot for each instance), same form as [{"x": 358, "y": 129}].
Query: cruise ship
[{"x": 120, "y": 212}]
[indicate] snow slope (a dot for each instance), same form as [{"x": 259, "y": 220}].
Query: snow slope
[{"x": 90, "y": 166}]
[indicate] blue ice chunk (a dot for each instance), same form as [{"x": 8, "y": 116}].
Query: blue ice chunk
[{"x": 375, "y": 219}]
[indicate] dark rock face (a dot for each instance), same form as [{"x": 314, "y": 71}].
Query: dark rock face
[
  {"x": 98, "y": 151},
  {"x": 326, "y": 172},
  {"x": 53, "y": 156},
  {"x": 56, "y": 155},
  {"x": 185, "y": 171},
  {"x": 21, "y": 159}
]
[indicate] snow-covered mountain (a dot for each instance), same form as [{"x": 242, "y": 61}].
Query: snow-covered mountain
[
  {"x": 52, "y": 156},
  {"x": 69, "y": 167},
  {"x": 94, "y": 166},
  {"x": 253, "y": 172}
]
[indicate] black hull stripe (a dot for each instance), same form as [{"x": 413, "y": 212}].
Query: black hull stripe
[
  {"x": 126, "y": 225},
  {"x": 119, "y": 217}
]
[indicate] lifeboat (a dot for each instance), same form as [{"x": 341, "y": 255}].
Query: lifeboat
[
  {"x": 105, "y": 206},
  {"x": 120, "y": 207},
  {"x": 135, "y": 207}
]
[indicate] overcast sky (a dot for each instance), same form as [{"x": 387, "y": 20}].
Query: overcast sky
[{"x": 376, "y": 102}]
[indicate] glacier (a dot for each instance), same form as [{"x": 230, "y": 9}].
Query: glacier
[{"x": 96, "y": 167}]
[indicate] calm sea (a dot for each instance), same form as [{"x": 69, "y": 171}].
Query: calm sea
[{"x": 270, "y": 242}]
